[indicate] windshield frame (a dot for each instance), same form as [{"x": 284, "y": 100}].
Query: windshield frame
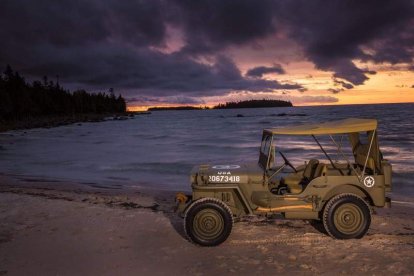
[{"x": 266, "y": 149}]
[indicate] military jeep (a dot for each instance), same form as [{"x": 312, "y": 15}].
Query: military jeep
[{"x": 340, "y": 193}]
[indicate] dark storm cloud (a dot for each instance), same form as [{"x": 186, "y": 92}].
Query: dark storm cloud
[
  {"x": 335, "y": 90},
  {"x": 107, "y": 44},
  {"x": 334, "y": 32},
  {"x": 343, "y": 84},
  {"x": 80, "y": 22},
  {"x": 154, "y": 72},
  {"x": 214, "y": 24},
  {"x": 262, "y": 70},
  {"x": 78, "y": 40},
  {"x": 111, "y": 43}
]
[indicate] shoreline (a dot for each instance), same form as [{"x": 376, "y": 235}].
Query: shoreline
[
  {"x": 56, "y": 121},
  {"x": 68, "y": 228}
]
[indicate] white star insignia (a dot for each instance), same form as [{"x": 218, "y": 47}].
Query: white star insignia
[{"x": 369, "y": 181}]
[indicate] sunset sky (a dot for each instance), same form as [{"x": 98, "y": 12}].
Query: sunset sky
[{"x": 171, "y": 52}]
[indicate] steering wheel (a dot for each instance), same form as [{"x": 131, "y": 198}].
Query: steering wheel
[{"x": 287, "y": 162}]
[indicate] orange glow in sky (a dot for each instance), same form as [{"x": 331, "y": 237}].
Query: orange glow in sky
[{"x": 387, "y": 86}]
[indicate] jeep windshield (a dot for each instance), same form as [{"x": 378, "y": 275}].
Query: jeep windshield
[{"x": 266, "y": 151}]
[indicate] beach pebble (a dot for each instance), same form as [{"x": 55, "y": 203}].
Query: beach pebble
[
  {"x": 255, "y": 262},
  {"x": 395, "y": 268},
  {"x": 269, "y": 260},
  {"x": 292, "y": 258}
]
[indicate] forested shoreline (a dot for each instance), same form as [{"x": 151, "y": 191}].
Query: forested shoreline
[
  {"x": 229, "y": 105},
  {"x": 24, "y": 104},
  {"x": 254, "y": 104}
]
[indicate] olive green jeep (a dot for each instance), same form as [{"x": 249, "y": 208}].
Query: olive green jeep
[{"x": 340, "y": 194}]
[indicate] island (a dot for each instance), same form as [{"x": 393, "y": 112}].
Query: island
[
  {"x": 254, "y": 104},
  {"x": 229, "y": 105}
]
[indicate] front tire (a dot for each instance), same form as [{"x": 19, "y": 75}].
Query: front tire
[
  {"x": 346, "y": 216},
  {"x": 208, "y": 222}
]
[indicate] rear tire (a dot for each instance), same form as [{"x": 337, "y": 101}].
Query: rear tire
[
  {"x": 346, "y": 216},
  {"x": 208, "y": 222}
]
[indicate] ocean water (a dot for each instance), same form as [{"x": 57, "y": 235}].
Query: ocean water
[{"x": 159, "y": 150}]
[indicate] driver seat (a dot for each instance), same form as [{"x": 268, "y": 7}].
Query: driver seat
[{"x": 296, "y": 184}]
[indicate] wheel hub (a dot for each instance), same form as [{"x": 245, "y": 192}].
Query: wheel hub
[
  {"x": 348, "y": 218},
  {"x": 208, "y": 224}
]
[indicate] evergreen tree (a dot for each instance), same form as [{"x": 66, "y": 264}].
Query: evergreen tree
[{"x": 19, "y": 99}]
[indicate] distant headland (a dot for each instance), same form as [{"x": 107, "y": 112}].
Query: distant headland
[{"x": 231, "y": 105}]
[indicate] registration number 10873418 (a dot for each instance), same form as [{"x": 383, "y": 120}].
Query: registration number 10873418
[{"x": 224, "y": 178}]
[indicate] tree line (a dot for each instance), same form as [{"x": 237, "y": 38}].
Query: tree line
[
  {"x": 20, "y": 99},
  {"x": 230, "y": 105},
  {"x": 254, "y": 104}
]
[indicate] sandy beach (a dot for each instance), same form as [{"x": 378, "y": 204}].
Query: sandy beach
[{"x": 50, "y": 228}]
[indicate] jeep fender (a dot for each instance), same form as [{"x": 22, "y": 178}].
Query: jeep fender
[
  {"x": 229, "y": 194},
  {"x": 348, "y": 189}
]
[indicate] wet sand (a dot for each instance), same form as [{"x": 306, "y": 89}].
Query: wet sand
[{"x": 57, "y": 228}]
